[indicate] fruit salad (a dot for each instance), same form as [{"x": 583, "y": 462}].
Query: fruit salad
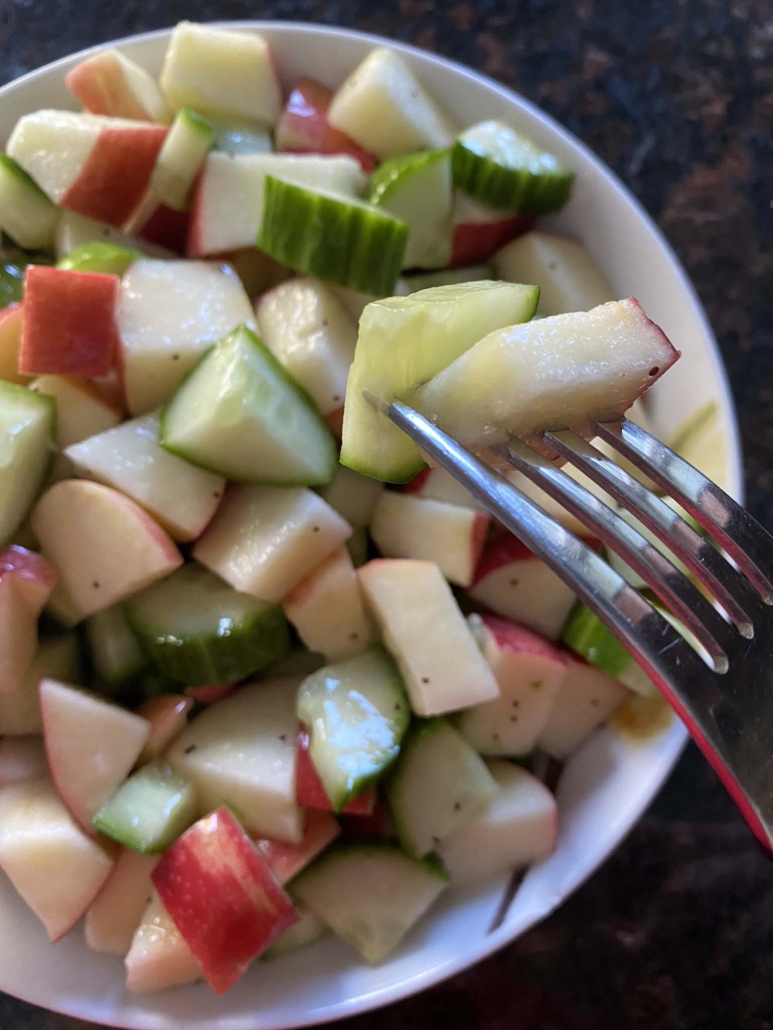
[{"x": 266, "y": 676}]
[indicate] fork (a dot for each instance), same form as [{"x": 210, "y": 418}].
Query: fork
[{"x": 724, "y": 696}]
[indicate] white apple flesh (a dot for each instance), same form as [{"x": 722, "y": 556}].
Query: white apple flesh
[
  {"x": 587, "y": 697},
  {"x": 426, "y": 632},
  {"x": 103, "y": 544},
  {"x": 56, "y": 868},
  {"x": 114, "y": 917},
  {"x": 529, "y": 671},
  {"x": 112, "y": 84},
  {"x": 92, "y": 745},
  {"x": 512, "y": 582},
  {"x": 265, "y": 539},
  {"x": 328, "y": 611},
  {"x": 158, "y": 956},
  {"x": 241, "y": 752},
  {"x": 519, "y": 827},
  {"x": 452, "y": 536},
  {"x": 169, "y": 314},
  {"x": 128, "y": 458}
]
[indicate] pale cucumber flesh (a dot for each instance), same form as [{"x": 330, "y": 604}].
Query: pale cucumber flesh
[
  {"x": 27, "y": 432},
  {"x": 356, "y": 712},
  {"x": 239, "y": 414},
  {"x": 404, "y": 342}
]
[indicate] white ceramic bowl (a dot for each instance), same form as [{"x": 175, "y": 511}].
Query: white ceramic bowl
[{"x": 608, "y": 782}]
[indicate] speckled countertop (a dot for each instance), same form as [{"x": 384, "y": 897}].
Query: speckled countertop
[{"x": 676, "y": 931}]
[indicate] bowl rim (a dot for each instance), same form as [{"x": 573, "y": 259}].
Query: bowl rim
[{"x": 494, "y": 941}]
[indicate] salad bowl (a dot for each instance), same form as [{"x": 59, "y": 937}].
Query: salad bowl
[{"x": 609, "y": 780}]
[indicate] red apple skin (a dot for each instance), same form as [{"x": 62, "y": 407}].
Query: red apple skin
[
  {"x": 168, "y": 717},
  {"x": 335, "y": 422},
  {"x": 416, "y": 485},
  {"x": 69, "y": 322},
  {"x": 287, "y": 860},
  {"x": 210, "y": 692},
  {"x": 303, "y": 126},
  {"x": 513, "y": 637},
  {"x": 116, "y": 174},
  {"x": 167, "y": 228},
  {"x": 222, "y": 897},
  {"x": 507, "y": 549},
  {"x": 377, "y": 826},
  {"x": 309, "y": 792},
  {"x": 475, "y": 242},
  {"x": 34, "y": 575}
]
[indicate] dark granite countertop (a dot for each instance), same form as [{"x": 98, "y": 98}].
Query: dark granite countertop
[{"x": 675, "y": 932}]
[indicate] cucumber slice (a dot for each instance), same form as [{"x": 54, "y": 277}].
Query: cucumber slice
[
  {"x": 417, "y": 189},
  {"x": 438, "y": 784},
  {"x": 308, "y": 929},
  {"x": 198, "y": 630},
  {"x": 150, "y": 810},
  {"x": 26, "y": 213},
  {"x": 115, "y": 652},
  {"x": 100, "y": 256},
  {"x": 370, "y": 894},
  {"x": 497, "y": 165},
  {"x": 13, "y": 268},
  {"x": 239, "y": 414},
  {"x": 587, "y": 636},
  {"x": 403, "y": 342},
  {"x": 27, "y": 434},
  {"x": 450, "y": 277},
  {"x": 356, "y": 712},
  {"x": 187, "y": 144},
  {"x": 331, "y": 236},
  {"x": 235, "y": 138}
]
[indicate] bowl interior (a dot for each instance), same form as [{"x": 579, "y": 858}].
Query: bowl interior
[{"x": 608, "y": 782}]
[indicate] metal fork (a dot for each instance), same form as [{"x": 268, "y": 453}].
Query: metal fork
[{"x": 725, "y": 699}]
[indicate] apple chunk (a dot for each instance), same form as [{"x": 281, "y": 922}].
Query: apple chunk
[
  {"x": 169, "y": 314},
  {"x": 159, "y": 957},
  {"x": 450, "y": 535},
  {"x": 69, "y": 322},
  {"x": 529, "y": 671},
  {"x": 51, "y": 862},
  {"x": 426, "y": 632},
  {"x": 328, "y": 611},
  {"x": 587, "y": 697},
  {"x": 81, "y": 411},
  {"x": 118, "y": 908},
  {"x": 110, "y": 83},
  {"x": 519, "y": 827},
  {"x": 92, "y": 746},
  {"x": 11, "y": 322},
  {"x": 103, "y": 544},
  {"x": 98, "y": 167},
  {"x": 223, "y": 897},
  {"x": 221, "y": 73},
  {"x": 286, "y": 860},
  {"x": 265, "y": 539},
  {"x": 241, "y": 752},
  {"x": 180, "y": 496},
  {"x": 303, "y": 126},
  {"x": 552, "y": 373},
  {"x": 513, "y": 582},
  {"x": 168, "y": 717},
  {"x": 480, "y": 230}
]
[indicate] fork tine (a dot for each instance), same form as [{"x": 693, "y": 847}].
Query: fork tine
[
  {"x": 744, "y": 539},
  {"x": 704, "y": 561},
  {"x": 678, "y": 593},
  {"x": 661, "y": 651}
]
